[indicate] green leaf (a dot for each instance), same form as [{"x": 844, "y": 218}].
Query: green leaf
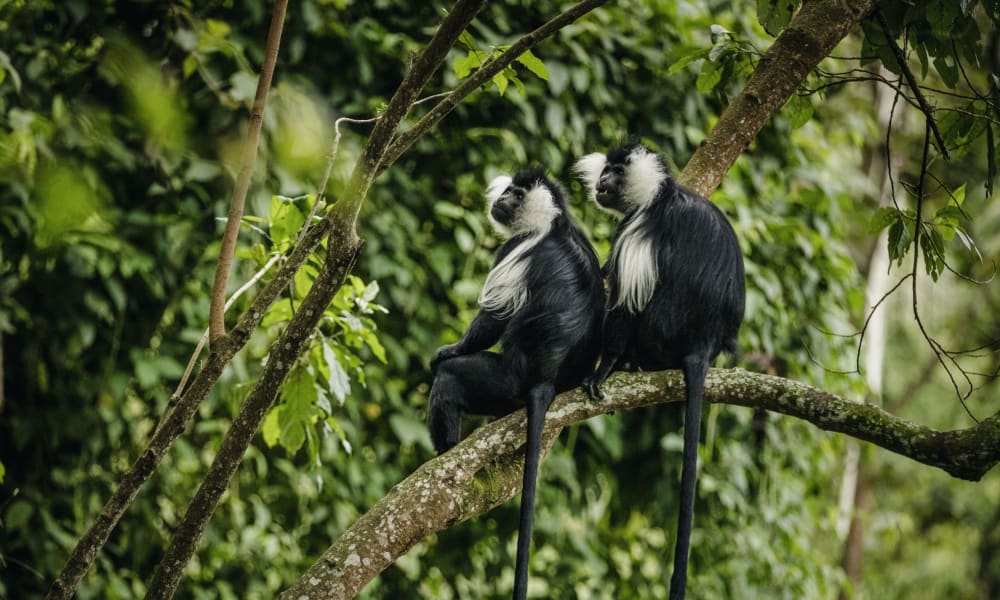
[
  {"x": 472, "y": 60},
  {"x": 711, "y": 74},
  {"x": 687, "y": 59},
  {"x": 373, "y": 343},
  {"x": 899, "y": 240},
  {"x": 941, "y": 15},
  {"x": 959, "y": 194},
  {"x": 286, "y": 220},
  {"x": 882, "y": 218},
  {"x": 534, "y": 64},
  {"x": 190, "y": 65},
  {"x": 501, "y": 82},
  {"x": 774, "y": 15},
  {"x": 339, "y": 382},
  {"x": 18, "y": 514},
  {"x": 271, "y": 429},
  {"x": 799, "y": 110},
  {"x": 466, "y": 39}
]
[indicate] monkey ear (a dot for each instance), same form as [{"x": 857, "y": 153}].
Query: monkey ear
[
  {"x": 589, "y": 169},
  {"x": 496, "y": 188}
]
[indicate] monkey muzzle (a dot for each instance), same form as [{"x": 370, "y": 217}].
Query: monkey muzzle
[{"x": 503, "y": 213}]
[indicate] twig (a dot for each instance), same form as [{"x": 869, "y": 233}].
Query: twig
[
  {"x": 481, "y": 76},
  {"x": 217, "y": 311},
  {"x": 917, "y": 231},
  {"x": 204, "y": 337},
  {"x": 912, "y": 82}
]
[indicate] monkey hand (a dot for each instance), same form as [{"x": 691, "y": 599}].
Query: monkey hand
[
  {"x": 443, "y": 354},
  {"x": 593, "y": 388}
]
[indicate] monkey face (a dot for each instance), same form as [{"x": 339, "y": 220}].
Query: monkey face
[
  {"x": 610, "y": 188},
  {"x": 505, "y": 208},
  {"x": 525, "y": 203}
]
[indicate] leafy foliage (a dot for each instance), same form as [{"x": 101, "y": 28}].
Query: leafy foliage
[{"x": 115, "y": 157}]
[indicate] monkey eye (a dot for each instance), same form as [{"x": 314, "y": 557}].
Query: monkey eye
[
  {"x": 618, "y": 169},
  {"x": 519, "y": 194}
]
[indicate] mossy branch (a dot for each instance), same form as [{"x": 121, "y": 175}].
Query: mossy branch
[{"x": 484, "y": 470}]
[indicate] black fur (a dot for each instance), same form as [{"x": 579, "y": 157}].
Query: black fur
[
  {"x": 694, "y": 313},
  {"x": 547, "y": 346}
]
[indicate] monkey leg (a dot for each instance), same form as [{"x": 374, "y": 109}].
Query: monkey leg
[
  {"x": 618, "y": 334},
  {"x": 478, "y": 384}
]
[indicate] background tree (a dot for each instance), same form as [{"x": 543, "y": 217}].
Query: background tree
[{"x": 115, "y": 153}]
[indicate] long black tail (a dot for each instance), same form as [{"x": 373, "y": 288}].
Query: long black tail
[
  {"x": 695, "y": 368},
  {"x": 538, "y": 403}
]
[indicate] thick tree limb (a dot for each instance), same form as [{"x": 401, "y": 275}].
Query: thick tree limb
[
  {"x": 809, "y": 38},
  {"x": 484, "y": 470}
]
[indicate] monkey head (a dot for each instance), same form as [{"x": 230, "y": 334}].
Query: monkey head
[
  {"x": 525, "y": 203},
  {"x": 626, "y": 178}
]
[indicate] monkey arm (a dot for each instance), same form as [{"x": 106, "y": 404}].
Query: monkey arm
[{"x": 484, "y": 331}]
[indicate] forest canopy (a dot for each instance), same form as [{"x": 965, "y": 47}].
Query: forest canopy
[{"x": 851, "y": 144}]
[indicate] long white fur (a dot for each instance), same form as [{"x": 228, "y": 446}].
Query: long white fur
[
  {"x": 505, "y": 291},
  {"x": 589, "y": 169},
  {"x": 635, "y": 264},
  {"x": 643, "y": 175}
]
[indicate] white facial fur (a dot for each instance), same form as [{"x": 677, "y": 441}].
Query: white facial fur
[
  {"x": 633, "y": 261},
  {"x": 643, "y": 175},
  {"x": 505, "y": 290},
  {"x": 589, "y": 170},
  {"x": 537, "y": 211}
]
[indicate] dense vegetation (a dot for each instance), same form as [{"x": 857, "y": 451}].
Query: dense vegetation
[{"x": 122, "y": 124}]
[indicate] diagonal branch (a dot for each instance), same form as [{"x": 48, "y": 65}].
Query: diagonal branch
[
  {"x": 483, "y": 75},
  {"x": 810, "y": 36},
  {"x": 224, "y": 348},
  {"x": 925, "y": 106},
  {"x": 484, "y": 470},
  {"x": 217, "y": 311}
]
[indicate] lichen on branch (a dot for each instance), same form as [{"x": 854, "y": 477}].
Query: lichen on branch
[{"x": 484, "y": 470}]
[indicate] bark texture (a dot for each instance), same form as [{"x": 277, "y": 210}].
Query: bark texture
[
  {"x": 484, "y": 470},
  {"x": 809, "y": 38}
]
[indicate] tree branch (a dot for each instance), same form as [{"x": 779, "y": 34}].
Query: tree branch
[
  {"x": 483, "y": 75},
  {"x": 224, "y": 348},
  {"x": 217, "y": 310},
  {"x": 283, "y": 356},
  {"x": 925, "y": 106},
  {"x": 484, "y": 470},
  {"x": 810, "y": 36}
]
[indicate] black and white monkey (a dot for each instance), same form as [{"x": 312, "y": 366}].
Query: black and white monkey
[
  {"x": 675, "y": 274},
  {"x": 543, "y": 301}
]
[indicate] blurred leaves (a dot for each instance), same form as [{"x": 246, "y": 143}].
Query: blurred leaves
[{"x": 116, "y": 159}]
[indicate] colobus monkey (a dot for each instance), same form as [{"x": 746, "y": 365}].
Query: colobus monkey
[
  {"x": 543, "y": 300},
  {"x": 675, "y": 274}
]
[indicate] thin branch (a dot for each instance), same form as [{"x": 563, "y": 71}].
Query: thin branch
[
  {"x": 482, "y": 76},
  {"x": 936, "y": 347},
  {"x": 925, "y": 107},
  {"x": 222, "y": 352},
  {"x": 484, "y": 470},
  {"x": 283, "y": 356},
  {"x": 204, "y": 336},
  {"x": 342, "y": 252},
  {"x": 217, "y": 311}
]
